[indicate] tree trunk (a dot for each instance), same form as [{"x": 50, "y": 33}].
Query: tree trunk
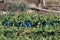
[{"x": 41, "y": 4}]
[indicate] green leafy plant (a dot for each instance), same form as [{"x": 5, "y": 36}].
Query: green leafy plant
[{"x": 23, "y": 6}]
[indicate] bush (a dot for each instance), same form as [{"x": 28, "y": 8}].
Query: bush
[
  {"x": 23, "y": 6},
  {"x": 13, "y": 7}
]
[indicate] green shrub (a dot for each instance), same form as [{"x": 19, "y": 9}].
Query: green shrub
[
  {"x": 13, "y": 7},
  {"x": 23, "y": 6}
]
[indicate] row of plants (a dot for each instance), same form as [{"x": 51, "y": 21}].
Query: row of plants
[
  {"x": 12, "y": 33},
  {"x": 29, "y": 20},
  {"x": 29, "y": 26}
]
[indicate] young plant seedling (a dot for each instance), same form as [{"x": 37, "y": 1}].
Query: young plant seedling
[
  {"x": 54, "y": 24},
  {"x": 29, "y": 24},
  {"x": 7, "y": 23},
  {"x": 38, "y": 24},
  {"x": 23, "y": 25},
  {"x": 46, "y": 25}
]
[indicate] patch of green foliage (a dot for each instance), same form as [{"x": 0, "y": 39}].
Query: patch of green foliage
[{"x": 16, "y": 32}]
